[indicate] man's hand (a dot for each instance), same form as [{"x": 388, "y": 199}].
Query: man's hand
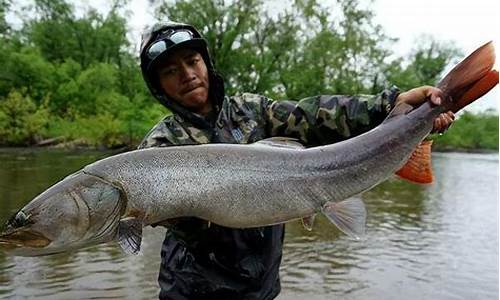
[{"x": 419, "y": 95}]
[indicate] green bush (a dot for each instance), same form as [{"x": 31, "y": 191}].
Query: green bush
[
  {"x": 96, "y": 131},
  {"x": 21, "y": 121},
  {"x": 470, "y": 132},
  {"x": 105, "y": 129}
]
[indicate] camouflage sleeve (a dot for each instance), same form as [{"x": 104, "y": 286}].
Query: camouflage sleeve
[
  {"x": 324, "y": 120},
  {"x": 158, "y": 136}
]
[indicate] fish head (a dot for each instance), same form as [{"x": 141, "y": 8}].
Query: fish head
[{"x": 81, "y": 210}]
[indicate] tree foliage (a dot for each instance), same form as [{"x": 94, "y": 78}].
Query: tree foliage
[
  {"x": 60, "y": 35},
  {"x": 78, "y": 71},
  {"x": 73, "y": 75},
  {"x": 4, "y": 26},
  {"x": 21, "y": 121},
  {"x": 425, "y": 65},
  {"x": 471, "y": 132},
  {"x": 299, "y": 52}
]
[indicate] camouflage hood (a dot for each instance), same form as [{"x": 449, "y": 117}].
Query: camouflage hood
[{"x": 157, "y": 43}]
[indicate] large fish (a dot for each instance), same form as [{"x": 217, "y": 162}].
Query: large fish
[{"x": 241, "y": 186}]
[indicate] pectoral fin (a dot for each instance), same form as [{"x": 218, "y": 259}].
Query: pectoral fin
[
  {"x": 349, "y": 216},
  {"x": 418, "y": 168},
  {"x": 130, "y": 235}
]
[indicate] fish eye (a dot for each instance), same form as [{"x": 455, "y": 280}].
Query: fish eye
[{"x": 18, "y": 220}]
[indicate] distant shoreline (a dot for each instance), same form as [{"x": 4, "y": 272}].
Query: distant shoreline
[
  {"x": 464, "y": 150},
  {"x": 73, "y": 149}
]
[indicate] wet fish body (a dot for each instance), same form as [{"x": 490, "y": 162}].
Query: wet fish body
[
  {"x": 260, "y": 184},
  {"x": 231, "y": 185}
]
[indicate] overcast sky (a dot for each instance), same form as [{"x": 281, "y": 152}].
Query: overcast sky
[{"x": 469, "y": 24}]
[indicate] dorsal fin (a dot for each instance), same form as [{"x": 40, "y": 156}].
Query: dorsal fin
[{"x": 281, "y": 142}]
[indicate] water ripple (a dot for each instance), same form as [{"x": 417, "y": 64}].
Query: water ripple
[{"x": 423, "y": 242}]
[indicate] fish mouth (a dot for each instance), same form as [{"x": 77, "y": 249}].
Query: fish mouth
[{"x": 23, "y": 237}]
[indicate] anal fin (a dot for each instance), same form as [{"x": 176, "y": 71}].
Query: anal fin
[
  {"x": 130, "y": 235},
  {"x": 348, "y": 215},
  {"x": 418, "y": 168}
]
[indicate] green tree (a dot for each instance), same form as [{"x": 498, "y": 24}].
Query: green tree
[
  {"x": 28, "y": 70},
  {"x": 298, "y": 53},
  {"x": 424, "y": 66},
  {"x": 341, "y": 55},
  {"x": 93, "y": 38},
  {"x": 227, "y": 27},
  {"x": 21, "y": 121},
  {"x": 4, "y": 7},
  {"x": 81, "y": 72},
  {"x": 472, "y": 132}
]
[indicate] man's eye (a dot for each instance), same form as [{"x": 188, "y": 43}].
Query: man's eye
[
  {"x": 169, "y": 71},
  {"x": 194, "y": 61}
]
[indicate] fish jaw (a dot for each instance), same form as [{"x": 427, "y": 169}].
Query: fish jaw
[{"x": 22, "y": 238}]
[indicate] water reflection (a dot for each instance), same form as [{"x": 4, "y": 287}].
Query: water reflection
[
  {"x": 438, "y": 241},
  {"x": 324, "y": 261},
  {"x": 100, "y": 272}
]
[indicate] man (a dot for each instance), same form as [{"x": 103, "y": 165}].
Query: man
[{"x": 201, "y": 260}]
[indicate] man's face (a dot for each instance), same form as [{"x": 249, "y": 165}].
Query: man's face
[{"x": 184, "y": 78}]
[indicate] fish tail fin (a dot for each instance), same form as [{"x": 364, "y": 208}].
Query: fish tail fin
[
  {"x": 348, "y": 215},
  {"x": 476, "y": 91},
  {"x": 472, "y": 77},
  {"x": 418, "y": 168}
]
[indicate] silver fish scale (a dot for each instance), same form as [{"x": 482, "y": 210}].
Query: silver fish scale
[{"x": 222, "y": 183}]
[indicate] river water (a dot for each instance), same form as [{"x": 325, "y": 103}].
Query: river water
[{"x": 438, "y": 241}]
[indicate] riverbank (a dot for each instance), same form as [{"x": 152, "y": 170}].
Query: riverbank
[
  {"x": 463, "y": 150},
  {"x": 78, "y": 147}
]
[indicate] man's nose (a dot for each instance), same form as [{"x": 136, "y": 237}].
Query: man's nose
[{"x": 187, "y": 73}]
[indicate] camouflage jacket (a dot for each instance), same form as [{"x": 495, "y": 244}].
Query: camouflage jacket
[
  {"x": 248, "y": 118},
  {"x": 203, "y": 261}
]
